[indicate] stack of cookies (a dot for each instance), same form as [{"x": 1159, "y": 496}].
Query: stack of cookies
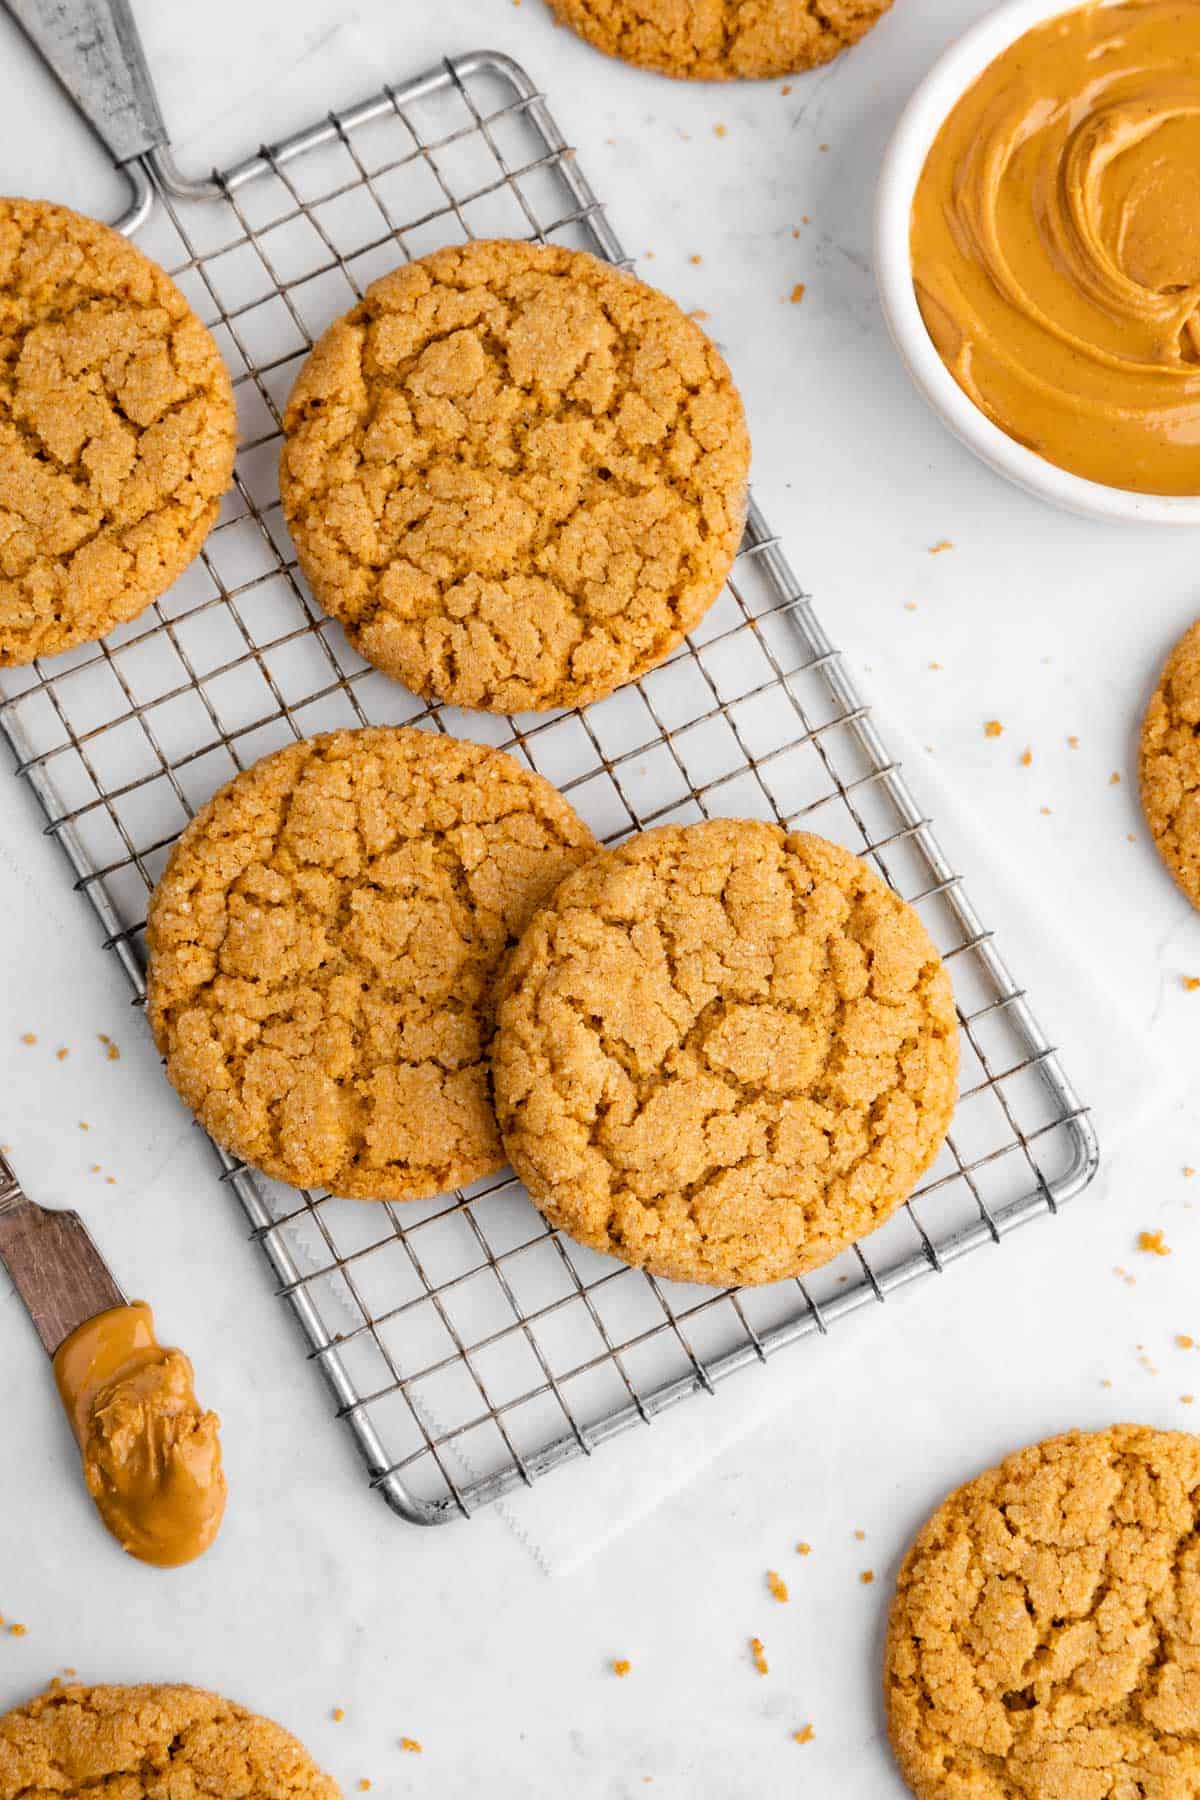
[{"x": 383, "y": 962}]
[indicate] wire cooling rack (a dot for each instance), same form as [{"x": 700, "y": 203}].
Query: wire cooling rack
[{"x": 470, "y": 1348}]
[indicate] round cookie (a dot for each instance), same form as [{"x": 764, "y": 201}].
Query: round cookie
[
  {"x": 151, "y": 1743},
  {"x": 722, "y": 40},
  {"x": 723, "y": 1053},
  {"x": 516, "y": 475},
  {"x": 1043, "y": 1637},
  {"x": 117, "y": 430},
  {"x": 323, "y": 946},
  {"x": 1170, "y": 763}
]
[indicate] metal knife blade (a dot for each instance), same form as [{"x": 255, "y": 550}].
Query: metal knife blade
[{"x": 55, "y": 1266}]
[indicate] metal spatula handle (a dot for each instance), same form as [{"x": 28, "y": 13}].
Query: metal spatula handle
[{"x": 94, "y": 48}]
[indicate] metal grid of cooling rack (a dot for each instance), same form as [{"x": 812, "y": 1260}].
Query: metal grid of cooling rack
[{"x": 471, "y": 1349}]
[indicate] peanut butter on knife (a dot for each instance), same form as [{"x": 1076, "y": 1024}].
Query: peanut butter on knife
[{"x": 151, "y": 1456}]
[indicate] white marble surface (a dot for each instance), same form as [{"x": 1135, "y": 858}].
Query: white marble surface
[{"x": 315, "y": 1596}]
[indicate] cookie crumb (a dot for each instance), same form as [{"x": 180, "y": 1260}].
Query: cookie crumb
[
  {"x": 992, "y": 728},
  {"x": 338, "y": 1714},
  {"x": 621, "y": 1666},
  {"x": 1184, "y": 1341},
  {"x": 867, "y": 1577},
  {"x": 695, "y": 259},
  {"x": 697, "y": 312},
  {"x": 798, "y": 292},
  {"x": 759, "y": 1655},
  {"x": 364, "y": 1785},
  {"x": 62, "y": 1054},
  {"x": 84, "y": 1126},
  {"x": 1188, "y": 1172},
  {"x": 29, "y": 1037},
  {"x": 777, "y": 1585},
  {"x": 805, "y": 1735},
  {"x": 1045, "y": 811},
  {"x": 860, "y": 1537},
  {"x": 1187, "y": 1399},
  {"x": 720, "y": 130},
  {"x": 786, "y": 88},
  {"x": 941, "y": 545},
  {"x": 1106, "y": 1383},
  {"x": 1189, "y": 983},
  {"x": 111, "y": 1050},
  {"x": 1114, "y": 779},
  {"x": 412, "y": 1744},
  {"x": 1026, "y": 757},
  {"x": 15, "y": 1630},
  {"x": 1153, "y": 1243},
  {"x": 803, "y": 1549},
  {"x": 910, "y": 606}
]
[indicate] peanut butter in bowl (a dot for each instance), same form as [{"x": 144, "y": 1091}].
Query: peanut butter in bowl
[
  {"x": 1055, "y": 243},
  {"x": 151, "y": 1456}
]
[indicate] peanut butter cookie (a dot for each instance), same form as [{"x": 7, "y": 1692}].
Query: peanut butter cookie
[
  {"x": 1043, "y": 1642},
  {"x": 323, "y": 946},
  {"x": 723, "y": 1052},
  {"x": 151, "y": 1743},
  {"x": 722, "y": 40},
  {"x": 117, "y": 430},
  {"x": 1170, "y": 763},
  {"x": 515, "y": 474}
]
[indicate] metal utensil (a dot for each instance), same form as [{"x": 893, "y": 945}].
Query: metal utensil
[{"x": 55, "y": 1266}]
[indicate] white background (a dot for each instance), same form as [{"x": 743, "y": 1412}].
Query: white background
[{"x": 314, "y": 1595}]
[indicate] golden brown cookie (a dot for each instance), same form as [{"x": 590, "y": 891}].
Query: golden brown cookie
[
  {"x": 323, "y": 946},
  {"x": 1044, "y": 1641},
  {"x": 151, "y": 1743},
  {"x": 117, "y": 430},
  {"x": 515, "y": 474},
  {"x": 1170, "y": 763},
  {"x": 723, "y": 1052},
  {"x": 722, "y": 40}
]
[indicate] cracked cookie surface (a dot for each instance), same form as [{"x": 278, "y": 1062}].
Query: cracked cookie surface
[
  {"x": 516, "y": 475},
  {"x": 723, "y": 1052},
  {"x": 1044, "y": 1641},
  {"x": 323, "y": 947},
  {"x": 722, "y": 40},
  {"x": 117, "y": 430},
  {"x": 1169, "y": 763},
  {"x": 151, "y": 1743}
]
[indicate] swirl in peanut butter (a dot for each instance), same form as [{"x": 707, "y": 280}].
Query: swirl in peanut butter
[
  {"x": 1056, "y": 243},
  {"x": 151, "y": 1457}
]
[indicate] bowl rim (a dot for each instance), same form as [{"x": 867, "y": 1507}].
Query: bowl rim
[{"x": 935, "y": 97}]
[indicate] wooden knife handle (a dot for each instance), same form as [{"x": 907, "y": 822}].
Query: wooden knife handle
[{"x": 55, "y": 1266}]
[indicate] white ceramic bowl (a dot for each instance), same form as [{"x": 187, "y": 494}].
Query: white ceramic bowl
[{"x": 922, "y": 118}]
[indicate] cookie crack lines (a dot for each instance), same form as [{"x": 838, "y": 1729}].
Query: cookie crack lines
[
  {"x": 117, "y": 429},
  {"x": 699, "y": 1068},
  {"x": 725, "y": 39},
  {"x": 1093, "y": 1537},
  {"x": 525, "y": 479},
  {"x": 323, "y": 946},
  {"x": 129, "y": 1741}
]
